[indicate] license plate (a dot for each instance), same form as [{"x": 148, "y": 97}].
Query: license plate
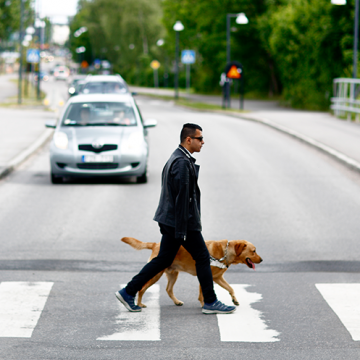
[{"x": 97, "y": 158}]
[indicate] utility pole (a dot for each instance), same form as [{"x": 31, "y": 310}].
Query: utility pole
[{"x": 21, "y": 50}]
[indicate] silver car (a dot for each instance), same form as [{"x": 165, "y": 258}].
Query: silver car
[
  {"x": 104, "y": 84},
  {"x": 100, "y": 135}
]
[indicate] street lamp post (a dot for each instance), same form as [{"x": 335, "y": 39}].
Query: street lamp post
[
  {"x": 40, "y": 25},
  {"x": 177, "y": 27},
  {"x": 80, "y": 50},
  {"x": 160, "y": 43},
  {"x": 356, "y": 32},
  {"x": 21, "y": 50},
  {"x": 242, "y": 20}
]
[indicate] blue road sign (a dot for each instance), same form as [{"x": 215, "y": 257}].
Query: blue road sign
[
  {"x": 33, "y": 56},
  {"x": 188, "y": 56}
]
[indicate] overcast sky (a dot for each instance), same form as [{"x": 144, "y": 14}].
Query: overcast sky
[{"x": 57, "y": 10}]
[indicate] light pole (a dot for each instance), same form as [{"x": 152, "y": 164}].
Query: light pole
[
  {"x": 240, "y": 19},
  {"x": 160, "y": 43},
  {"x": 40, "y": 25},
  {"x": 21, "y": 50},
  {"x": 80, "y": 50},
  {"x": 177, "y": 27},
  {"x": 356, "y": 32}
]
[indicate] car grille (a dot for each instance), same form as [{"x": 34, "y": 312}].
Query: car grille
[
  {"x": 106, "y": 147},
  {"x": 97, "y": 166}
]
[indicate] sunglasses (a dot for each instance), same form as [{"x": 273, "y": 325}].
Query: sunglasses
[{"x": 200, "y": 138}]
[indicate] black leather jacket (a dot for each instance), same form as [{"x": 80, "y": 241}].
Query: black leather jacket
[{"x": 179, "y": 204}]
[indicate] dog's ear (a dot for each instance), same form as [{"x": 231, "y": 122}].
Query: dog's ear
[{"x": 239, "y": 248}]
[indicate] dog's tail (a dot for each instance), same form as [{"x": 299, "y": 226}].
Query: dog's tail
[{"x": 137, "y": 244}]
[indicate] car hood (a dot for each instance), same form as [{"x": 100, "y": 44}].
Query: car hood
[{"x": 98, "y": 134}]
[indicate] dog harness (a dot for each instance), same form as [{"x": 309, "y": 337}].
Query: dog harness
[{"x": 217, "y": 262}]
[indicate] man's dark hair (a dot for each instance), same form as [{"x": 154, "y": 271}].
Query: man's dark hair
[{"x": 188, "y": 130}]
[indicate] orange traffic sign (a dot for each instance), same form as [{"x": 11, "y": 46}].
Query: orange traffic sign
[
  {"x": 234, "y": 72},
  {"x": 84, "y": 64}
]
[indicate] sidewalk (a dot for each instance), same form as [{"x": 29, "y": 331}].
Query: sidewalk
[{"x": 23, "y": 130}]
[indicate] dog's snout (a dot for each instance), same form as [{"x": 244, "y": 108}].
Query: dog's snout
[{"x": 260, "y": 260}]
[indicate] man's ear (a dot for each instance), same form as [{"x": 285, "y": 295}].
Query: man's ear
[{"x": 239, "y": 248}]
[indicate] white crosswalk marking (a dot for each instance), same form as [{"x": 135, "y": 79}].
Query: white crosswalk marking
[
  {"x": 139, "y": 326},
  {"x": 245, "y": 324},
  {"x": 344, "y": 299},
  {"x": 21, "y": 304}
]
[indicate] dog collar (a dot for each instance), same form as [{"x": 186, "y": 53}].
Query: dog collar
[{"x": 217, "y": 262}]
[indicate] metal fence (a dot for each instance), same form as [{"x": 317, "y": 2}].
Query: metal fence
[{"x": 345, "y": 101}]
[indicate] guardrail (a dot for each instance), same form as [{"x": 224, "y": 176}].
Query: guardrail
[{"x": 345, "y": 103}]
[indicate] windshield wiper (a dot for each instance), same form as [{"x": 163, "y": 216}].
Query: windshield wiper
[
  {"x": 75, "y": 124},
  {"x": 103, "y": 124}
]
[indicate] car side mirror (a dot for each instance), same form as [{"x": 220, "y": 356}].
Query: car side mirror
[
  {"x": 133, "y": 93},
  {"x": 51, "y": 124},
  {"x": 148, "y": 123}
]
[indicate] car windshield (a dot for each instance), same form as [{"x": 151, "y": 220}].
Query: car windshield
[
  {"x": 104, "y": 87},
  {"x": 99, "y": 114}
]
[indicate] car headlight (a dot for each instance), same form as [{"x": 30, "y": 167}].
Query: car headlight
[
  {"x": 135, "y": 140},
  {"x": 61, "y": 140}
]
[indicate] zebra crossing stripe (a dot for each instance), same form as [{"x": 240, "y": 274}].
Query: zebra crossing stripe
[
  {"x": 245, "y": 324},
  {"x": 139, "y": 326},
  {"x": 344, "y": 300},
  {"x": 21, "y": 304}
]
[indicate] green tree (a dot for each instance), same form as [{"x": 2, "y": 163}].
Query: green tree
[
  {"x": 10, "y": 18},
  {"x": 123, "y": 32},
  {"x": 289, "y": 47},
  {"x": 310, "y": 42},
  {"x": 205, "y": 32}
]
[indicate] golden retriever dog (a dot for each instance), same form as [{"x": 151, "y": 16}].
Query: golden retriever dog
[{"x": 223, "y": 253}]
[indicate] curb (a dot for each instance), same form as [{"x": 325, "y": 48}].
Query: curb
[
  {"x": 25, "y": 154},
  {"x": 337, "y": 155}
]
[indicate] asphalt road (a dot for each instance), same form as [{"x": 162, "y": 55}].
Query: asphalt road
[{"x": 299, "y": 207}]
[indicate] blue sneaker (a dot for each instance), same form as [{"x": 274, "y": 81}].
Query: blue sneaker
[
  {"x": 217, "y": 307},
  {"x": 127, "y": 300}
]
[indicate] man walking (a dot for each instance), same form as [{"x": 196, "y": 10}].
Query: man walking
[{"x": 178, "y": 215}]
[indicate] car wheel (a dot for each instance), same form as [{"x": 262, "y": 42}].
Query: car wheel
[
  {"x": 143, "y": 178},
  {"x": 56, "y": 179}
]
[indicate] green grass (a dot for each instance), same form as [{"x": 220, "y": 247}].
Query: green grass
[
  {"x": 192, "y": 104},
  {"x": 205, "y": 106}
]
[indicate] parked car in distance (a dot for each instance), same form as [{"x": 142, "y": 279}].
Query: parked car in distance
[
  {"x": 105, "y": 84},
  {"x": 100, "y": 135},
  {"x": 61, "y": 73}
]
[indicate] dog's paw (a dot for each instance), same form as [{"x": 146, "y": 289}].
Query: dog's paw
[
  {"x": 235, "y": 302},
  {"x": 179, "y": 303},
  {"x": 142, "y": 305}
]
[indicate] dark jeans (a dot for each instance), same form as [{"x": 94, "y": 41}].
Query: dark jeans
[{"x": 169, "y": 246}]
